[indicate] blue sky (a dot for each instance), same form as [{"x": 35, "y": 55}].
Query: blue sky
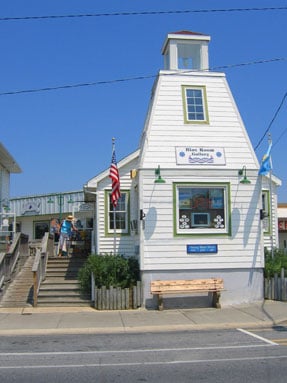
[{"x": 63, "y": 138}]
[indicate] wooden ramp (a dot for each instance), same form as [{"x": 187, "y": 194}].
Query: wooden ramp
[{"x": 20, "y": 291}]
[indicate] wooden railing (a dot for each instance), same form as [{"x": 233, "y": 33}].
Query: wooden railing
[
  {"x": 9, "y": 259},
  {"x": 276, "y": 288},
  {"x": 39, "y": 268}
]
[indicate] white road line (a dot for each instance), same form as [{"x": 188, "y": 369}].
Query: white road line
[
  {"x": 134, "y": 351},
  {"x": 248, "y": 359},
  {"x": 257, "y": 337}
]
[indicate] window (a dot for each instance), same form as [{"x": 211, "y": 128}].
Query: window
[
  {"x": 188, "y": 56},
  {"x": 266, "y": 211},
  {"x": 201, "y": 209},
  {"x": 121, "y": 214},
  {"x": 195, "y": 108},
  {"x": 40, "y": 228}
]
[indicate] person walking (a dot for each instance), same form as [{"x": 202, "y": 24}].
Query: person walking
[{"x": 66, "y": 229}]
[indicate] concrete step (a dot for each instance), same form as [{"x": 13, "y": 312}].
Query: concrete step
[
  {"x": 64, "y": 273},
  {"x": 15, "y": 304},
  {"x": 66, "y": 304},
  {"x": 62, "y": 293},
  {"x": 63, "y": 299},
  {"x": 61, "y": 286},
  {"x": 63, "y": 276},
  {"x": 67, "y": 259}
]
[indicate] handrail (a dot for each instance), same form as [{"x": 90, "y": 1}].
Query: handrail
[
  {"x": 8, "y": 260},
  {"x": 40, "y": 264}
]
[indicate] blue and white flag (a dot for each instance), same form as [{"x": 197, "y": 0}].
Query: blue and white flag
[{"x": 266, "y": 163}]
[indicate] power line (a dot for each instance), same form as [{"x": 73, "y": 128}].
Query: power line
[
  {"x": 106, "y": 82},
  {"x": 70, "y": 86},
  {"x": 271, "y": 123},
  {"x": 95, "y": 83},
  {"x": 279, "y": 138},
  {"x": 143, "y": 13}
]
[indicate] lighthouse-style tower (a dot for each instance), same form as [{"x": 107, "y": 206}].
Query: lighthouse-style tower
[
  {"x": 190, "y": 207},
  {"x": 200, "y": 221},
  {"x": 186, "y": 50}
]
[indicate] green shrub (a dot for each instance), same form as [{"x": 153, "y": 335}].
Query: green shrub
[
  {"x": 109, "y": 270},
  {"x": 274, "y": 264}
]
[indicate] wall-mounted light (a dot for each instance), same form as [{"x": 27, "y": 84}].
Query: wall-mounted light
[
  {"x": 158, "y": 180},
  {"x": 142, "y": 214},
  {"x": 133, "y": 173},
  {"x": 263, "y": 214},
  {"x": 242, "y": 172}
]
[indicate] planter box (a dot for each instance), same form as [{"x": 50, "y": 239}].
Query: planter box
[{"x": 115, "y": 298}]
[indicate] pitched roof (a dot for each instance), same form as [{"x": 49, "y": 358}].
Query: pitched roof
[
  {"x": 7, "y": 161},
  {"x": 185, "y": 35},
  {"x": 185, "y": 32}
]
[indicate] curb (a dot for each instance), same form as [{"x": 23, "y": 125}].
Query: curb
[{"x": 135, "y": 329}]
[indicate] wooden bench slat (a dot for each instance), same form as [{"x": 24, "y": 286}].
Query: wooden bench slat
[
  {"x": 214, "y": 285},
  {"x": 183, "y": 281},
  {"x": 193, "y": 283}
]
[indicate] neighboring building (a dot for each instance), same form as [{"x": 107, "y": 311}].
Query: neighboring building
[
  {"x": 269, "y": 211},
  {"x": 98, "y": 189},
  {"x": 282, "y": 225},
  {"x": 38, "y": 214},
  {"x": 7, "y": 166},
  {"x": 192, "y": 203},
  {"x": 7, "y": 220}
]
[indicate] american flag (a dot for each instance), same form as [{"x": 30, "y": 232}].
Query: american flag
[{"x": 114, "y": 175}]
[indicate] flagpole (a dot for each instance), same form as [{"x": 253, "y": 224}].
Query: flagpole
[
  {"x": 115, "y": 231},
  {"x": 114, "y": 208},
  {"x": 116, "y": 193}
]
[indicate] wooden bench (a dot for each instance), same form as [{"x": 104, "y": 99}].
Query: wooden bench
[{"x": 212, "y": 285}]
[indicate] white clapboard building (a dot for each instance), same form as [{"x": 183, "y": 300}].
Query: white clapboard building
[
  {"x": 192, "y": 204},
  {"x": 8, "y": 165}
]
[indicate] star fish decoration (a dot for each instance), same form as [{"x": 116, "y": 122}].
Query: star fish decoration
[
  {"x": 218, "y": 220},
  {"x": 184, "y": 222}
]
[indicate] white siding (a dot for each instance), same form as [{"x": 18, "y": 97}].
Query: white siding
[
  {"x": 164, "y": 250},
  {"x": 166, "y": 128},
  {"x": 271, "y": 239},
  {"x": 40, "y": 205},
  {"x": 125, "y": 244},
  {"x": 4, "y": 185},
  {"x": 36, "y": 208}
]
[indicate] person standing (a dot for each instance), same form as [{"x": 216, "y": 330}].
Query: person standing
[
  {"x": 55, "y": 229},
  {"x": 66, "y": 229}
]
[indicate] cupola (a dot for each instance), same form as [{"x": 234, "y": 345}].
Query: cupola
[{"x": 186, "y": 50}]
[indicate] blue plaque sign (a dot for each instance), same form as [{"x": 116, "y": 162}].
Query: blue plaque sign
[{"x": 190, "y": 249}]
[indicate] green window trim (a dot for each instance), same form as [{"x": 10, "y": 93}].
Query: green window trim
[
  {"x": 191, "y": 232},
  {"x": 203, "y": 104},
  {"x": 120, "y": 232}
]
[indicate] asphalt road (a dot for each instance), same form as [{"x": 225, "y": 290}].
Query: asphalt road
[{"x": 189, "y": 356}]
